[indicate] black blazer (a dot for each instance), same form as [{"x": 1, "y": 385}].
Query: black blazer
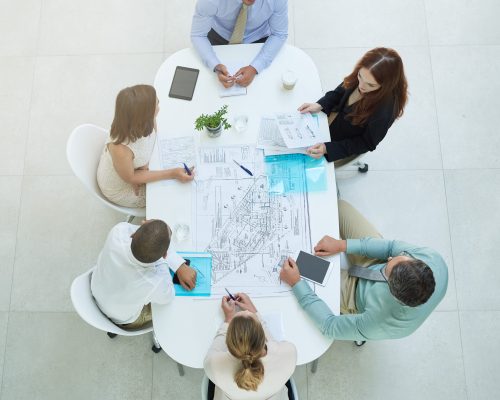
[{"x": 348, "y": 139}]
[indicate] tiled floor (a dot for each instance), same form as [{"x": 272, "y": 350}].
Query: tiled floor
[{"x": 434, "y": 181}]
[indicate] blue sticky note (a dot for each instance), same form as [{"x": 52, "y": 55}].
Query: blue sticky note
[{"x": 202, "y": 263}]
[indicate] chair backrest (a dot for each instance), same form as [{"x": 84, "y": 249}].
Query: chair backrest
[
  {"x": 83, "y": 150},
  {"x": 87, "y": 309},
  {"x": 204, "y": 388}
]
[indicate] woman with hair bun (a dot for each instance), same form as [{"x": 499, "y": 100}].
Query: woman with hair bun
[
  {"x": 363, "y": 107},
  {"x": 244, "y": 362}
]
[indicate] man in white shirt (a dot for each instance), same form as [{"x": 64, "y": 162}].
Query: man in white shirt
[
  {"x": 133, "y": 271},
  {"x": 220, "y": 22}
]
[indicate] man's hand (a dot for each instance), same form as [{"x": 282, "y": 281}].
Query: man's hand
[
  {"x": 328, "y": 246},
  {"x": 229, "y": 308},
  {"x": 310, "y": 108},
  {"x": 223, "y": 75},
  {"x": 244, "y": 302},
  {"x": 290, "y": 272},
  {"x": 316, "y": 151},
  {"x": 187, "y": 276},
  {"x": 244, "y": 76}
]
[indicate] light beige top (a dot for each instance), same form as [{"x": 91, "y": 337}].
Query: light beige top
[
  {"x": 115, "y": 188},
  {"x": 279, "y": 364}
]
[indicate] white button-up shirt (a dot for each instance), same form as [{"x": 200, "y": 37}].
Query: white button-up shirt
[{"x": 122, "y": 285}]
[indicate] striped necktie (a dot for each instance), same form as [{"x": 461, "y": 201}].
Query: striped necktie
[{"x": 239, "y": 26}]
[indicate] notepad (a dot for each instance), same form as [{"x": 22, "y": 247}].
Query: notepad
[
  {"x": 235, "y": 90},
  {"x": 202, "y": 264},
  {"x": 313, "y": 268}
]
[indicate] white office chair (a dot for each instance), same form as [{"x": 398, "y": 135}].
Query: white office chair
[
  {"x": 83, "y": 150},
  {"x": 355, "y": 162},
  {"x": 85, "y": 306},
  {"x": 204, "y": 388}
]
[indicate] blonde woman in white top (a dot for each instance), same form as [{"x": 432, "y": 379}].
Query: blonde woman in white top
[
  {"x": 244, "y": 362},
  {"x": 123, "y": 169}
]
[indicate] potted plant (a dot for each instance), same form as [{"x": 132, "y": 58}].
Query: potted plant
[{"x": 213, "y": 122}]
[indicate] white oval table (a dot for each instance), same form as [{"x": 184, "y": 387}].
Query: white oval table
[{"x": 185, "y": 327}]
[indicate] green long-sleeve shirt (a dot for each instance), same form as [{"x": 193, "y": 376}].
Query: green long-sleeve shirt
[{"x": 380, "y": 314}]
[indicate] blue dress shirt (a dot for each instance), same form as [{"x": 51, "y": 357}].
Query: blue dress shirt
[{"x": 264, "y": 18}]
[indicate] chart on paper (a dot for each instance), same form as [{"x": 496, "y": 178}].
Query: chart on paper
[{"x": 249, "y": 232}]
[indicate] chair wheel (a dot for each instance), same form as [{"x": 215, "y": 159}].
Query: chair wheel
[
  {"x": 156, "y": 349},
  {"x": 363, "y": 169},
  {"x": 359, "y": 343},
  {"x": 112, "y": 335}
]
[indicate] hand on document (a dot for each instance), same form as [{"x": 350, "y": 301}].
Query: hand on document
[
  {"x": 244, "y": 76},
  {"x": 224, "y": 77}
]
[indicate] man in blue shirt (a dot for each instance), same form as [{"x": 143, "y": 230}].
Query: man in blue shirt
[
  {"x": 413, "y": 280},
  {"x": 218, "y": 22}
]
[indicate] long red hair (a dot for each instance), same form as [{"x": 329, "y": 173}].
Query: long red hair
[{"x": 386, "y": 67}]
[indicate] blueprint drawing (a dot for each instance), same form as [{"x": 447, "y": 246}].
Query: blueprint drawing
[{"x": 249, "y": 232}]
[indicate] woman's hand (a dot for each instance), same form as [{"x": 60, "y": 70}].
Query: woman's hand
[
  {"x": 310, "y": 108},
  {"x": 317, "y": 151},
  {"x": 182, "y": 176},
  {"x": 228, "y": 308},
  {"x": 244, "y": 302}
]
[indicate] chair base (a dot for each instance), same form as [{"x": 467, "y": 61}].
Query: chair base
[
  {"x": 111, "y": 335},
  {"x": 314, "y": 366},
  {"x": 359, "y": 343},
  {"x": 362, "y": 167}
]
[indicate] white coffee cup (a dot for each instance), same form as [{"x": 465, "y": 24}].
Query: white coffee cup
[{"x": 289, "y": 79}]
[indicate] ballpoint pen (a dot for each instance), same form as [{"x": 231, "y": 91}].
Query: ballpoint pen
[
  {"x": 243, "y": 168},
  {"x": 230, "y": 295},
  {"x": 187, "y": 169}
]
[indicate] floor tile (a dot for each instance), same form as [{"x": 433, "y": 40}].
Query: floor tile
[
  {"x": 473, "y": 204},
  {"x": 405, "y": 205},
  {"x": 167, "y": 384},
  {"x": 425, "y": 365},
  {"x": 325, "y": 24},
  {"x": 10, "y": 193},
  {"x": 452, "y": 22},
  {"x": 57, "y": 356},
  {"x": 53, "y": 242},
  {"x": 86, "y": 91},
  {"x": 4, "y": 316},
  {"x": 19, "y": 23},
  {"x": 467, "y": 105},
  {"x": 413, "y": 140},
  {"x": 16, "y": 79},
  {"x": 300, "y": 378},
  {"x": 481, "y": 353},
  {"x": 101, "y": 26}
]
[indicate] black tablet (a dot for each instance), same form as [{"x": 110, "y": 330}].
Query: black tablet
[
  {"x": 313, "y": 268},
  {"x": 184, "y": 83}
]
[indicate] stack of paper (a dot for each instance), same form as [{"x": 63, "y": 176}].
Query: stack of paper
[{"x": 270, "y": 138}]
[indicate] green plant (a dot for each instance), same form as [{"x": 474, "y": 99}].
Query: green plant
[{"x": 213, "y": 120}]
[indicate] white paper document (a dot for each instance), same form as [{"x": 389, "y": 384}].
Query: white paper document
[
  {"x": 176, "y": 151},
  {"x": 248, "y": 230},
  {"x": 299, "y": 130},
  {"x": 270, "y": 139},
  {"x": 274, "y": 323},
  {"x": 235, "y": 90}
]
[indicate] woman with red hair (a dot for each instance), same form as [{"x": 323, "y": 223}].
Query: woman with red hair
[{"x": 363, "y": 107}]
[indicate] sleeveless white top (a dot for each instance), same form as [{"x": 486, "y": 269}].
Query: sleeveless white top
[{"x": 115, "y": 188}]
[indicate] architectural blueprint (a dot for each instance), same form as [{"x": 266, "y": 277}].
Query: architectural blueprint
[
  {"x": 175, "y": 151},
  {"x": 248, "y": 231}
]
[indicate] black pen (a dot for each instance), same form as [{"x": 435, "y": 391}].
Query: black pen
[
  {"x": 243, "y": 168},
  {"x": 187, "y": 169},
  {"x": 230, "y": 295}
]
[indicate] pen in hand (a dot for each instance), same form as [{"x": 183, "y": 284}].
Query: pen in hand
[
  {"x": 230, "y": 295},
  {"x": 187, "y": 169},
  {"x": 243, "y": 168}
]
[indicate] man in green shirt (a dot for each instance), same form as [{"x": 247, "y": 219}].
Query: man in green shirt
[{"x": 413, "y": 281}]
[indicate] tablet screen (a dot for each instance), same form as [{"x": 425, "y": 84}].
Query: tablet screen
[
  {"x": 184, "y": 83},
  {"x": 313, "y": 268}
]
